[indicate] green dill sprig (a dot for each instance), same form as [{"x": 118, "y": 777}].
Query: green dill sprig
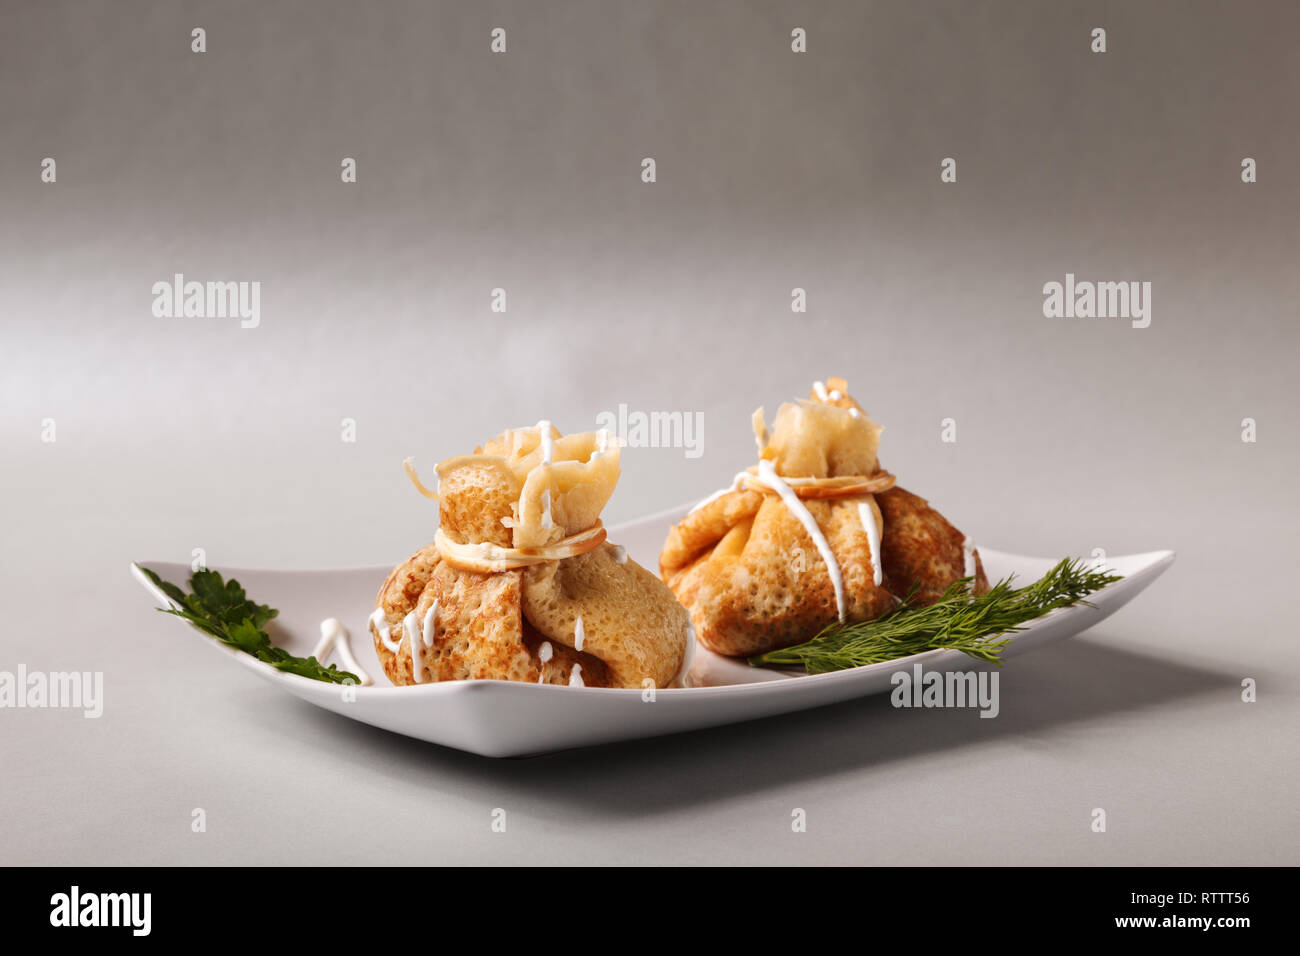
[
  {"x": 973, "y": 624},
  {"x": 222, "y": 609}
]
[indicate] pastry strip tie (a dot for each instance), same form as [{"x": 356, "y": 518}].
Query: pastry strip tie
[
  {"x": 844, "y": 486},
  {"x": 484, "y": 557}
]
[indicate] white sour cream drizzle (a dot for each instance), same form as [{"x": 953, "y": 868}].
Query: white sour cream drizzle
[
  {"x": 380, "y": 620},
  {"x": 544, "y": 654},
  {"x": 430, "y": 626},
  {"x": 688, "y": 658},
  {"x": 836, "y": 395},
  {"x": 579, "y": 634},
  {"x": 736, "y": 484},
  {"x": 873, "y": 540},
  {"x": 334, "y": 637},
  {"x": 968, "y": 558},
  {"x": 548, "y": 442},
  {"x": 414, "y": 638},
  {"x": 575, "y": 676},
  {"x": 420, "y": 636},
  {"x": 768, "y": 476},
  {"x": 620, "y": 553},
  {"x": 819, "y": 389},
  {"x": 548, "y": 457}
]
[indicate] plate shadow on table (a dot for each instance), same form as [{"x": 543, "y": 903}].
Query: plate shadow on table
[{"x": 1077, "y": 681}]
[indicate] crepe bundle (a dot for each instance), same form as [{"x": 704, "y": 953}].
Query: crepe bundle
[
  {"x": 815, "y": 533},
  {"x": 520, "y": 584}
]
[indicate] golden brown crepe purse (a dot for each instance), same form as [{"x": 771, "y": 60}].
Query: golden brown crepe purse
[
  {"x": 520, "y": 583},
  {"x": 815, "y": 533}
]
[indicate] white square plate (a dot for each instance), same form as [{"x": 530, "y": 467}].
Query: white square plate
[{"x": 509, "y": 719}]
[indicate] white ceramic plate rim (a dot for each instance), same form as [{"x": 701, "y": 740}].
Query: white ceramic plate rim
[{"x": 1151, "y": 564}]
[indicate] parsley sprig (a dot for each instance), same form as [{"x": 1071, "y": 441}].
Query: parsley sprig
[
  {"x": 975, "y": 625},
  {"x": 222, "y": 609}
]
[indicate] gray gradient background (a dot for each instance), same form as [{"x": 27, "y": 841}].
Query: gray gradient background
[{"x": 775, "y": 170}]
